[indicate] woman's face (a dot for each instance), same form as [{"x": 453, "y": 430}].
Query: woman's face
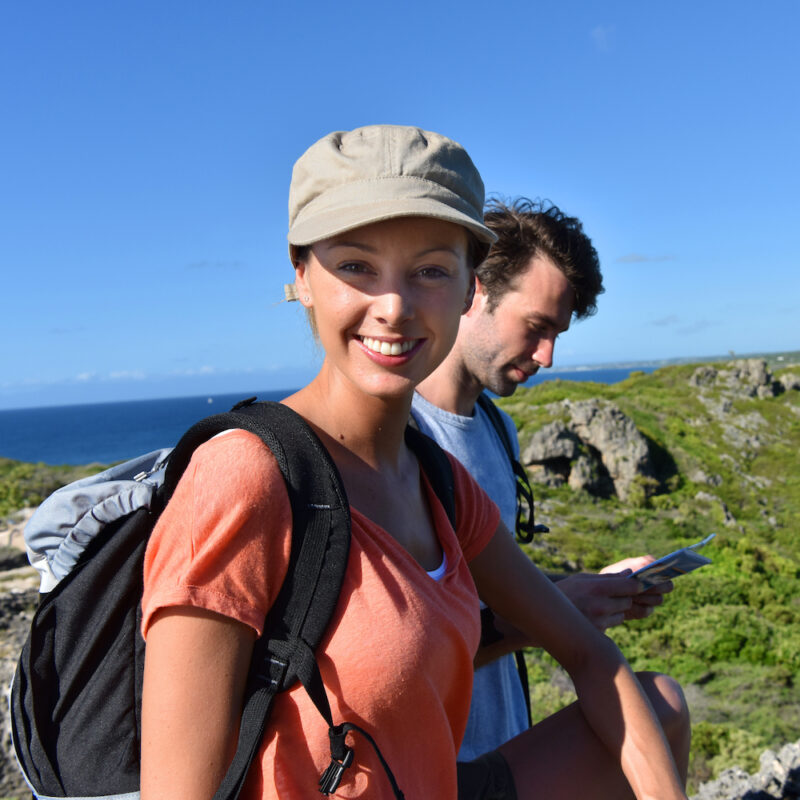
[{"x": 387, "y": 299}]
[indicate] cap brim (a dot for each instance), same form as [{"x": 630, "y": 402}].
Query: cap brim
[{"x": 326, "y": 224}]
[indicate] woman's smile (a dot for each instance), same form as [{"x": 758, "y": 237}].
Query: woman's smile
[{"x": 387, "y": 347}]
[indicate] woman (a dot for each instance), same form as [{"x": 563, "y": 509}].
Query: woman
[{"x": 385, "y": 228}]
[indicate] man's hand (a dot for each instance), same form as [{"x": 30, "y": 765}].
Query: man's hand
[
  {"x": 644, "y": 603},
  {"x": 613, "y": 596},
  {"x": 607, "y": 598}
]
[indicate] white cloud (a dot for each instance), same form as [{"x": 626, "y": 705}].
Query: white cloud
[
  {"x": 603, "y": 36},
  {"x": 190, "y": 371},
  {"x": 128, "y": 375}
]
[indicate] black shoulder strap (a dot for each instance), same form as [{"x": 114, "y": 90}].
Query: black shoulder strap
[
  {"x": 297, "y": 620},
  {"x": 437, "y": 468},
  {"x": 525, "y": 525},
  {"x": 491, "y": 411}
]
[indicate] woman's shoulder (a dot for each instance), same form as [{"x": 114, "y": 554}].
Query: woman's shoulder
[{"x": 235, "y": 455}]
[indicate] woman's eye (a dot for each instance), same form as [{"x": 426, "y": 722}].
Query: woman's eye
[
  {"x": 432, "y": 273},
  {"x": 352, "y": 267}
]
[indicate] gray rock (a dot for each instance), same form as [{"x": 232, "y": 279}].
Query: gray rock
[
  {"x": 593, "y": 445},
  {"x": 623, "y": 449},
  {"x": 705, "y": 497},
  {"x": 717, "y": 406},
  {"x": 703, "y": 376},
  {"x": 777, "y": 779},
  {"x": 790, "y": 381},
  {"x": 551, "y": 441},
  {"x": 748, "y": 377},
  {"x": 698, "y": 476},
  {"x": 586, "y": 474}
]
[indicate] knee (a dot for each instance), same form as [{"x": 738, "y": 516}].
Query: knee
[{"x": 669, "y": 703}]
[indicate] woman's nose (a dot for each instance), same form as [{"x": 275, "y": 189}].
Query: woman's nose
[{"x": 394, "y": 305}]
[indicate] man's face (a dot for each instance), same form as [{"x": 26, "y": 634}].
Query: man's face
[{"x": 505, "y": 346}]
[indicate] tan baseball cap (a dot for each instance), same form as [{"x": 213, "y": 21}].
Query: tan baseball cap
[{"x": 352, "y": 178}]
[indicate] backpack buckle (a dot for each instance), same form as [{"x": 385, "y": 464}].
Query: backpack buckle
[{"x": 332, "y": 777}]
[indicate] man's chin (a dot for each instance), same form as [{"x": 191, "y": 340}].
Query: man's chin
[{"x": 504, "y": 388}]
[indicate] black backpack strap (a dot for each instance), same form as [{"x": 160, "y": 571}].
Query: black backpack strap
[
  {"x": 525, "y": 525},
  {"x": 437, "y": 467},
  {"x": 318, "y": 559}
]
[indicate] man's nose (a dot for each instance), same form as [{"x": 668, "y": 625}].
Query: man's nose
[{"x": 543, "y": 354}]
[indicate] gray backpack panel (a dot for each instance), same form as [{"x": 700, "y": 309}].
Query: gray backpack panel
[{"x": 67, "y": 521}]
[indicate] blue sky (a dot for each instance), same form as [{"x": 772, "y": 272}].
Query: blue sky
[{"x": 147, "y": 149}]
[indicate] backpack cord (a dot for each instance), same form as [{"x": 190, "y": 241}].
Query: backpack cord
[{"x": 342, "y": 757}]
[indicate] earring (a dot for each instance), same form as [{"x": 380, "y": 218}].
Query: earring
[{"x": 306, "y": 298}]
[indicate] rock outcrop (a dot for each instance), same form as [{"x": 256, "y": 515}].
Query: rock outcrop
[
  {"x": 747, "y": 377},
  {"x": 790, "y": 381},
  {"x": 719, "y": 389},
  {"x": 778, "y": 779},
  {"x": 591, "y": 445}
]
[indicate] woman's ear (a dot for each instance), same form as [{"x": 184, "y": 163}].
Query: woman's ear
[{"x": 301, "y": 282}]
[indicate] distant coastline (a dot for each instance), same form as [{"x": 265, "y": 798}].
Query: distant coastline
[
  {"x": 61, "y": 395},
  {"x": 775, "y": 360}
]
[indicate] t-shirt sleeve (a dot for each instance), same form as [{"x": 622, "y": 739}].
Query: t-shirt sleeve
[
  {"x": 477, "y": 515},
  {"x": 223, "y": 541}
]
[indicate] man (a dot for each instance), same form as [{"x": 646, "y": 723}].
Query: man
[{"x": 542, "y": 272}]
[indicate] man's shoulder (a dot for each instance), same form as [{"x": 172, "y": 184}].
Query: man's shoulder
[
  {"x": 502, "y": 422},
  {"x": 476, "y": 443}
]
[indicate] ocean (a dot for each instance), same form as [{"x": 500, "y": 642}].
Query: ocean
[{"x": 107, "y": 432}]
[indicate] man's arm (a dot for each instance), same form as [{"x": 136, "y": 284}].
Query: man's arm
[{"x": 611, "y": 700}]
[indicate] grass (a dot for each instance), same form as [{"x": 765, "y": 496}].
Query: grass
[{"x": 731, "y": 631}]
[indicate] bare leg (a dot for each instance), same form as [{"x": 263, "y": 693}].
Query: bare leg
[
  {"x": 667, "y": 698},
  {"x": 562, "y": 758}
]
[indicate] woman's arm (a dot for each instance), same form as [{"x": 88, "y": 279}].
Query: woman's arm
[
  {"x": 195, "y": 670},
  {"x": 609, "y": 695}
]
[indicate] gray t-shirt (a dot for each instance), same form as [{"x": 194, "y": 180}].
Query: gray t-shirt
[{"x": 497, "y": 712}]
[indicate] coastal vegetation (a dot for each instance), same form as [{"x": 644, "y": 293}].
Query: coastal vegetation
[
  {"x": 24, "y": 485},
  {"x": 726, "y": 459},
  {"x": 723, "y": 446}
]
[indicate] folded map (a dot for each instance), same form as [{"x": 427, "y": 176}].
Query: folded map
[{"x": 671, "y": 566}]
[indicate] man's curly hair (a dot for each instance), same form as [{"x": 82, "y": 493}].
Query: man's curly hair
[{"x": 528, "y": 228}]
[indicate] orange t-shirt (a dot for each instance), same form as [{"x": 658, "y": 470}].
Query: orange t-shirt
[{"x": 396, "y": 658}]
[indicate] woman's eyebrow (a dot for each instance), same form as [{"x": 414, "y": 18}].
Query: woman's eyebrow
[
  {"x": 441, "y": 248},
  {"x": 357, "y": 245}
]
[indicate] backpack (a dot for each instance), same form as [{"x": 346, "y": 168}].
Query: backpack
[{"x": 75, "y": 699}]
